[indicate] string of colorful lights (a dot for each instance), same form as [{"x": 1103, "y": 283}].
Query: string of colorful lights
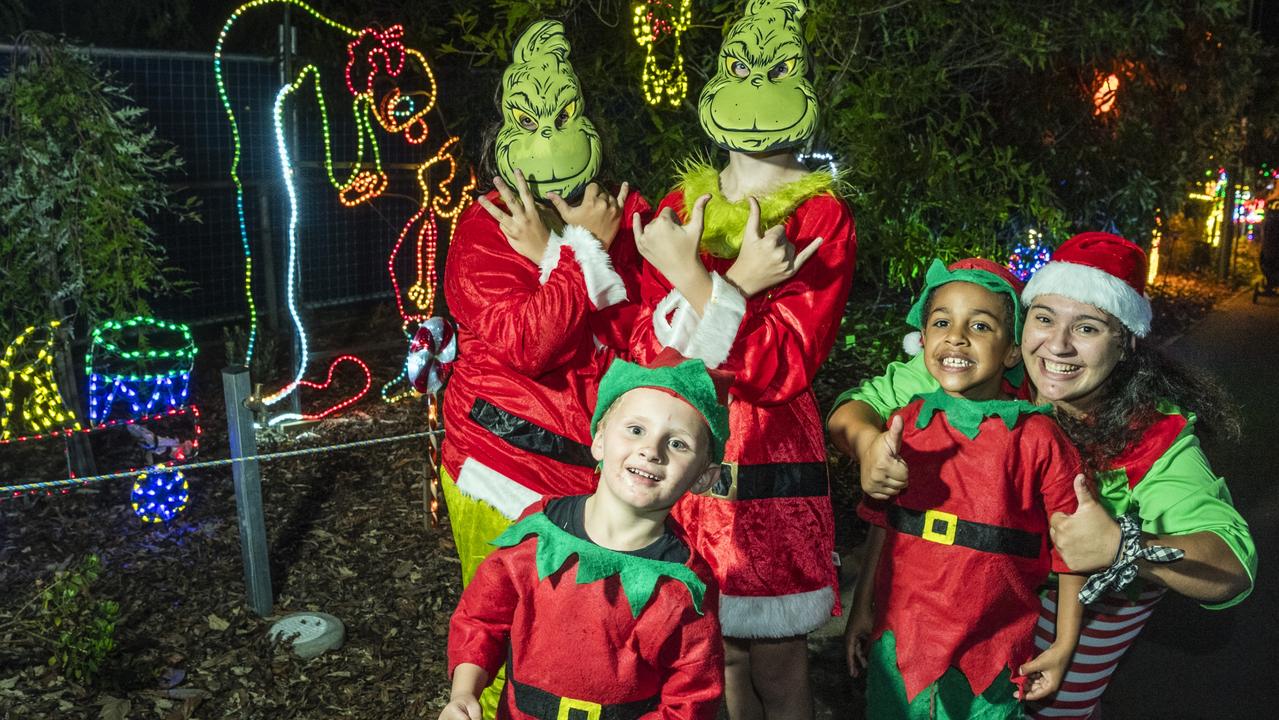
[
  {"x": 237, "y": 149},
  {"x": 1026, "y": 258},
  {"x": 372, "y": 55},
  {"x": 654, "y": 20},
  {"x": 43, "y": 409}
]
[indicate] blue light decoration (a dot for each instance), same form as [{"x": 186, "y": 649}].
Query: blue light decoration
[
  {"x": 142, "y": 364},
  {"x": 159, "y": 494},
  {"x": 1026, "y": 258}
]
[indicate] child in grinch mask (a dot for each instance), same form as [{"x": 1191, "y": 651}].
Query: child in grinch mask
[
  {"x": 540, "y": 296},
  {"x": 767, "y": 528}
]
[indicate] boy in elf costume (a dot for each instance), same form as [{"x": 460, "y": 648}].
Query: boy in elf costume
[
  {"x": 535, "y": 291},
  {"x": 948, "y": 599},
  {"x": 597, "y": 602},
  {"x": 767, "y": 529}
]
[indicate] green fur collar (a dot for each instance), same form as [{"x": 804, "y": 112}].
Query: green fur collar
[
  {"x": 967, "y": 415},
  {"x": 725, "y": 221},
  {"x": 638, "y": 575}
]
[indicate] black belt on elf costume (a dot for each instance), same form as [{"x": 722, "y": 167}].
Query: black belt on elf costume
[
  {"x": 529, "y": 436},
  {"x": 548, "y": 706},
  {"x": 946, "y": 529},
  {"x": 771, "y": 480}
]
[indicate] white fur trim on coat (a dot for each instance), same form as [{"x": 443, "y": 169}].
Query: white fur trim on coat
[
  {"x": 709, "y": 337},
  {"x": 1094, "y": 287},
  {"x": 603, "y": 285},
  {"x": 481, "y": 482},
  {"x": 776, "y": 616}
]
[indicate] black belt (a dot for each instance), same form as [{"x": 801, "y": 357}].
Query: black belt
[
  {"x": 529, "y": 436},
  {"x": 946, "y": 529},
  {"x": 771, "y": 480},
  {"x": 549, "y": 706}
]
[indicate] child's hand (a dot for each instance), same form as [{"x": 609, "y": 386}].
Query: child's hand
[
  {"x": 521, "y": 222},
  {"x": 1087, "y": 539},
  {"x": 671, "y": 248},
  {"x": 884, "y": 473},
  {"x": 462, "y": 707},
  {"x": 857, "y": 639},
  {"x": 599, "y": 212},
  {"x": 767, "y": 258},
  {"x": 1045, "y": 673}
]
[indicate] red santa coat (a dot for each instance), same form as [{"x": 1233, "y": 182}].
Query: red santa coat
[
  {"x": 772, "y": 547},
  {"x": 532, "y": 344},
  {"x": 579, "y": 638},
  {"x": 954, "y": 606}
]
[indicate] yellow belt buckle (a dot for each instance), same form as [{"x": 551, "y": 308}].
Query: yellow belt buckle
[
  {"x": 591, "y": 709},
  {"x": 726, "y": 487},
  {"x": 945, "y": 537}
]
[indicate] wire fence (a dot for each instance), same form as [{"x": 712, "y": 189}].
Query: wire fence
[{"x": 343, "y": 251}]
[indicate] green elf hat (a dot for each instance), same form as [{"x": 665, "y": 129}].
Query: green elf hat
[
  {"x": 689, "y": 380},
  {"x": 978, "y": 271}
]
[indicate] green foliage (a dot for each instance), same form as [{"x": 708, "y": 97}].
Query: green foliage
[
  {"x": 83, "y": 178},
  {"x": 83, "y": 628},
  {"x": 70, "y": 621}
]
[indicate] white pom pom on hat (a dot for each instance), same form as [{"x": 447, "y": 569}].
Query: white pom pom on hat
[
  {"x": 913, "y": 343},
  {"x": 1102, "y": 270}
]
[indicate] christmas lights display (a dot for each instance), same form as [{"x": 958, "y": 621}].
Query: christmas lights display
[
  {"x": 26, "y": 375},
  {"x": 1156, "y": 238},
  {"x": 1026, "y": 258},
  {"x": 351, "y": 400},
  {"x": 159, "y": 494},
  {"x": 141, "y": 365},
  {"x": 658, "y": 26},
  {"x": 391, "y": 87},
  {"x": 1214, "y": 192}
]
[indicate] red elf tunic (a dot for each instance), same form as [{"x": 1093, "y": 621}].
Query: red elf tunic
[
  {"x": 532, "y": 344},
  {"x": 767, "y": 530},
  {"x": 590, "y": 629},
  {"x": 982, "y": 475}
]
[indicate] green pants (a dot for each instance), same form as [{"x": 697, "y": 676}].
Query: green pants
[
  {"x": 950, "y": 697},
  {"x": 474, "y": 524}
]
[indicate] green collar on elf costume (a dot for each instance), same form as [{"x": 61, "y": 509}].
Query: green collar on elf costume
[
  {"x": 939, "y": 274},
  {"x": 759, "y": 100},
  {"x": 544, "y": 132},
  {"x": 725, "y": 221},
  {"x": 638, "y": 575},
  {"x": 967, "y": 415}
]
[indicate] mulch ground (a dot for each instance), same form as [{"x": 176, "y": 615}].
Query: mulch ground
[{"x": 349, "y": 535}]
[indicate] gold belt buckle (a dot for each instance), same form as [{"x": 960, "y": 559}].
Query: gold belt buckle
[
  {"x": 726, "y": 487},
  {"x": 591, "y": 710},
  {"x": 945, "y": 537}
]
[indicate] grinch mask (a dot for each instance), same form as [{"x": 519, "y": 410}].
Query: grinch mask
[
  {"x": 759, "y": 100},
  {"x": 544, "y": 133}
]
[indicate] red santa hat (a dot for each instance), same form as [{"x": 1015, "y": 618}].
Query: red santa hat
[{"x": 1102, "y": 270}]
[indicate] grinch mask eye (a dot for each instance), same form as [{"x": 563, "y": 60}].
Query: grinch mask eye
[
  {"x": 736, "y": 67},
  {"x": 782, "y": 69},
  {"x": 525, "y": 120},
  {"x": 566, "y": 114}
]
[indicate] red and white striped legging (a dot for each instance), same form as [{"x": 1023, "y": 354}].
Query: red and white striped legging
[{"x": 1110, "y": 627}]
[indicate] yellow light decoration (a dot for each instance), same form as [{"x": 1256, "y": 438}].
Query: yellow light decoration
[
  {"x": 42, "y": 410},
  {"x": 1156, "y": 237},
  {"x": 656, "y": 21}
]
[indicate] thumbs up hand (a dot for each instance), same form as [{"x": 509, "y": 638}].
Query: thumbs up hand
[
  {"x": 1088, "y": 539},
  {"x": 884, "y": 473}
]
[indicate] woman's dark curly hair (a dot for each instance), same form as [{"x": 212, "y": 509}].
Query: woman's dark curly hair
[{"x": 1131, "y": 397}]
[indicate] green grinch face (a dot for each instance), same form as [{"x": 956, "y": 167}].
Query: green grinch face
[
  {"x": 759, "y": 100},
  {"x": 544, "y": 132}
]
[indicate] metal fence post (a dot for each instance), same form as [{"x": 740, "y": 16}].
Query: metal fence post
[{"x": 248, "y": 489}]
